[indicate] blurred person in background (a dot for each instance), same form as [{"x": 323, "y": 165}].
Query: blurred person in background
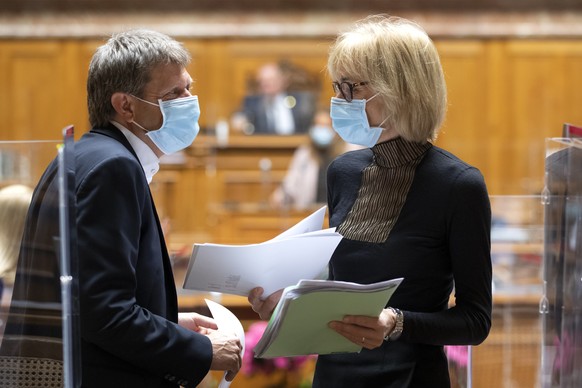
[
  {"x": 14, "y": 202},
  {"x": 305, "y": 183},
  {"x": 275, "y": 109}
]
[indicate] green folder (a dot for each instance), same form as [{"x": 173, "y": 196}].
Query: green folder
[{"x": 299, "y": 324}]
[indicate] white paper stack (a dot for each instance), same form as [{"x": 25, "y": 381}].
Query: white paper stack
[{"x": 301, "y": 252}]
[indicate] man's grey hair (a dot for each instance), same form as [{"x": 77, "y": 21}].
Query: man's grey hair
[{"x": 124, "y": 64}]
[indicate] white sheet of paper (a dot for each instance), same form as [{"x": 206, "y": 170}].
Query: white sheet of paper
[
  {"x": 273, "y": 265},
  {"x": 311, "y": 223},
  {"x": 226, "y": 321}
]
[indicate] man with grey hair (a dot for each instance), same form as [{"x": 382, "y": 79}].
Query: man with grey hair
[{"x": 140, "y": 107}]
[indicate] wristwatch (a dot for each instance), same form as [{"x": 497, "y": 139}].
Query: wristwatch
[{"x": 398, "y": 327}]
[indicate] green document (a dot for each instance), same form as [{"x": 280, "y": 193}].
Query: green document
[{"x": 299, "y": 324}]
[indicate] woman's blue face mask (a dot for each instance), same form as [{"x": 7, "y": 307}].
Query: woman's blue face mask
[{"x": 350, "y": 121}]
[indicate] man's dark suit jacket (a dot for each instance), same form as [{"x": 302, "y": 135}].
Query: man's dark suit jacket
[
  {"x": 128, "y": 302},
  {"x": 255, "y": 110}
]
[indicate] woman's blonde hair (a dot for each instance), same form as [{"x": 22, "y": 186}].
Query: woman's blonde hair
[
  {"x": 14, "y": 202},
  {"x": 400, "y": 62}
]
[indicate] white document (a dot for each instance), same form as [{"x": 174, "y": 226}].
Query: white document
[
  {"x": 272, "y": 265},
  {"x": 311, "y": 223},
  {"x": 226, "y": 321}
]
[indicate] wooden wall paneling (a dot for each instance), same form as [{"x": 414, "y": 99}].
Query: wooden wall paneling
[
  {"x": 212, "y": 82},
  {"x": 240, "y": 184},
  {"x": 6, "y": 132},
  {"x": 182, "y": 197},
  {"x": 240, "y": 179},
  {"x": 163, "y": 188},
  {"x": 188, "y": 203},
  {"x": 248, "y": 224},
  {"x": 78, "y": 90},
  {"x": 243, "y": 187},
  {"x": 497, "y": 113},
  {"x": 572, "y": 104},
  {"x": 203, "y": 73},
  {"x": 466, "y": 131},
  {"x": 537, "y": 95},
  {"x": 34, "y": 88}
]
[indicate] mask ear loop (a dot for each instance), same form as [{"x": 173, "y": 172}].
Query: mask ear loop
[
  {"x": 142, "y": 128},
  {"x": 371, "y": 98},
  {"x": 147, "y": 102},
  {"x": 383, "y": 121}
]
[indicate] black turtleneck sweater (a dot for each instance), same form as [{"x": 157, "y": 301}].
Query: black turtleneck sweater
[{"x": 414, "y": 211}]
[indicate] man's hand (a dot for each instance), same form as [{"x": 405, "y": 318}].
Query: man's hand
[
  {"x": 196, "y": 322},
  {"x": 226, "y": 353}
]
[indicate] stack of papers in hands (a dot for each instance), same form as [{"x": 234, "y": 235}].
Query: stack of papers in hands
[
  {"x": 299, "y": 324},
  {"x": 301, "y": 252}
]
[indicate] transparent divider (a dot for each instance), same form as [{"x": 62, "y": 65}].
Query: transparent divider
[
  {"x": 561, "y": 305},
  {"x": 38, "y": 312}
]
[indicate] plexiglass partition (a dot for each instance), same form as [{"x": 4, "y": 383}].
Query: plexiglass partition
[
  {"x": 561, "y": 306},
  {"x": 510, "y": 355},
  {"x": 39, "y": 325}
]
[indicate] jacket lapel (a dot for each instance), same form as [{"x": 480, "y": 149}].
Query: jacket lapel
[{"x": 171, "y": 295}]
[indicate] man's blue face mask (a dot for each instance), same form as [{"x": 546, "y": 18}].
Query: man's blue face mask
[
  {"x": 180, "y": 126},
  {"x": 349, "y": 120}
]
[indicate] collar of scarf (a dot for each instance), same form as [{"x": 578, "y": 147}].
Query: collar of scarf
[{"x": 398, "y": 152}]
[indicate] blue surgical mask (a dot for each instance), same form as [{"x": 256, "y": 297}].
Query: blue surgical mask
[
  {"x": 180, "y": 125},
  {"x": 321, "y": 136},
  {"x": 350, "y": 121}
]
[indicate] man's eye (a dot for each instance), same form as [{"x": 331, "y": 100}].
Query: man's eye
[{"x": 169, "y": 96}]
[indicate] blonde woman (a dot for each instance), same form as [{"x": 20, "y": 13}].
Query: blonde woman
[{"x": 406, "y": 209}]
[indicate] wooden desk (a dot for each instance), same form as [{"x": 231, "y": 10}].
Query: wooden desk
[{"x": 212, "y": 182}]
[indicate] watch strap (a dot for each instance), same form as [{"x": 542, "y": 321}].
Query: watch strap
[{"x": 398, "y": 326}]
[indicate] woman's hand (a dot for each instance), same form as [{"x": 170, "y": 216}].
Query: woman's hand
[
  {"x": 263, "y": 307},
  {"x": 365, "y": 331}
]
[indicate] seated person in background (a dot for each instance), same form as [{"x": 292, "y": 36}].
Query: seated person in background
[
  {"x": 14, "y": 202},
  {"x": 305, "y": 182},
  {"x": 275, "y": 110}
]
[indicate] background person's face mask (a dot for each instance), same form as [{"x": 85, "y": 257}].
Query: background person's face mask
[
  {"x": 349, "y": 120},
  {"x": 180, "y": 125},
  {"x": 321, "y": 136}
]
